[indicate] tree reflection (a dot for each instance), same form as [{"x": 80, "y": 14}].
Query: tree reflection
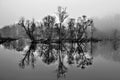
[
  {"x": 17, "y": 45},
  {"x": 6, "y": 39},
  {"x": 75, "y": 53},
  {"x": 29, "y": 56}
]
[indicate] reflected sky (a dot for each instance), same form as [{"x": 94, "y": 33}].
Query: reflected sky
[{"x": 105, "y": 63}]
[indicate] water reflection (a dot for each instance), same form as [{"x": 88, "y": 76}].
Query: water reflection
[
  {"x": 6, "y": 39},
  {"x": 110, "y": 50},
  {"x": 29, "y": 56},
  {"x": 78, "y": 54},
  {"x": 64, "y": 54}
]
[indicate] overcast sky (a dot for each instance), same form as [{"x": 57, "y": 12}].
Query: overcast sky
[{"x": 12, "y": 10}]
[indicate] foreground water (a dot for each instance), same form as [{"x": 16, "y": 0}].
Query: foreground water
[{"x": 105, "y": 65}]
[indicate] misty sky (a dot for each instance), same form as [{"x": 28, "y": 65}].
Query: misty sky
[{"x": 12, "y": 10}]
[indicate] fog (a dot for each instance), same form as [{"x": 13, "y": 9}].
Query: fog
[
  {"x": 12, "y": 10},
  {"x": 108, "y": 22},
  {"x": 107, "y": 26}
]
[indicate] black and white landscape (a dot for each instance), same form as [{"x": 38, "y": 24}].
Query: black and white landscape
[{"x": 59, "y": 40}]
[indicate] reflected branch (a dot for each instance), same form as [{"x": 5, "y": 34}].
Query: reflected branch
[{"x": 29, "y": 57}]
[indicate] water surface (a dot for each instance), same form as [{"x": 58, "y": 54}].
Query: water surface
[{"x": 105, "y": 64}]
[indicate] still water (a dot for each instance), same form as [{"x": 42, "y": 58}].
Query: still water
[{"x": 105, "y": 64}]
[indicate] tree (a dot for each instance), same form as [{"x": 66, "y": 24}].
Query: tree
[
  {"x": 48, "y": 23},
  {"x": 29, "y": 27}
]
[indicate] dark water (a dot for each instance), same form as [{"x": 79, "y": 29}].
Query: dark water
[{"x": 103, "y": 62}]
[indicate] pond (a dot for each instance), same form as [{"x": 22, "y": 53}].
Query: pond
[{"x": 25, "y": 60}]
